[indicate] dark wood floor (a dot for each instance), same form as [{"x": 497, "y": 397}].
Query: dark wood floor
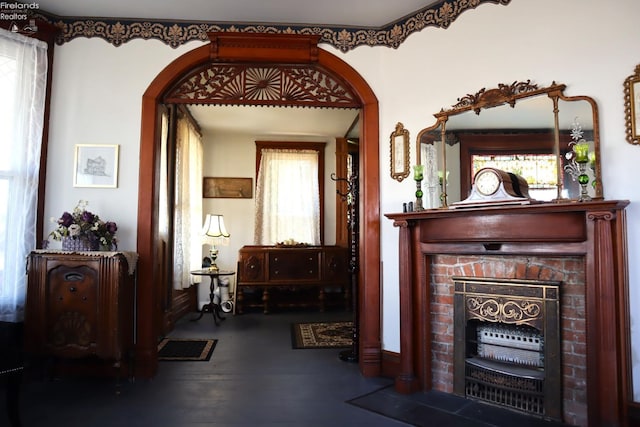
[{"x": 254, "y": 378}]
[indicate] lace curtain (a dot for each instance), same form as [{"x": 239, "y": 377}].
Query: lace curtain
[
  {"x": 23, "y": 79},
  {"x": 287, "y": 197},
  {"x": 188, "y": 204},
  {"x": 163, "y": 188},
  {"x": 428, "y": 154}
]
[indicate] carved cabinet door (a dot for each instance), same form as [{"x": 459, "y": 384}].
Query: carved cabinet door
[{"x": 72, "y": 304}]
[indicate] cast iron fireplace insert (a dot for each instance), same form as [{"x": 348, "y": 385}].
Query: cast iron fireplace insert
[{"x": 507, "y": 343}]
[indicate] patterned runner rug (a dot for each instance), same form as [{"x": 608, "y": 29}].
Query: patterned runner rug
[
  {"x": 190, "y": 350},
  {"x": 322, "y": 335}
]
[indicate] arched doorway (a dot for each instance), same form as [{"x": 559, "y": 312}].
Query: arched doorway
[{"x": 259, "y": 49}]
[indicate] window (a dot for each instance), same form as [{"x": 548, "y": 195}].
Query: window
[
  {"x": 289, "y": 185},
  {"x": 23, "y": 76}
]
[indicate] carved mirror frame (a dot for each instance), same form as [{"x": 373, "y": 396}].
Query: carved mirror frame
[
  {"x": 632, "y": 107},
  {"x": 510, "y": 94},
  {"x": 399, "y": 143}
]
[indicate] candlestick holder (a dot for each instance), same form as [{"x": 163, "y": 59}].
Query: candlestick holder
[
  {"x": 577, "y": 160},
  {"x": 583, "y": 180},
  {"x": 418, "y": 175},
  {"x": 443, "y": 180},
  {"x": 418, "y": 205}
]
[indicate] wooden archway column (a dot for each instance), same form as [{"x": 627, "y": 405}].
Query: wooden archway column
[{"x": 257, "y": 49}]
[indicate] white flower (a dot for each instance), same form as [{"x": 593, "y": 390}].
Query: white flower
[{"x": 74, "y": 230}]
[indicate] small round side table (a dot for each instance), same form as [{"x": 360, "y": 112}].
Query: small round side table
[{"x": 212, "y": 306}]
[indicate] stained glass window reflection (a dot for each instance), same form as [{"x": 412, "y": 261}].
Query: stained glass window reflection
[{"x": 539, "y": 170}]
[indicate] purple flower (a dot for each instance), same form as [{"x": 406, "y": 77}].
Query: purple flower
[
  {"x": 111, "y": 227},
  {"x": 87, "y": 216},
  {"x": 66, "y": 219}
]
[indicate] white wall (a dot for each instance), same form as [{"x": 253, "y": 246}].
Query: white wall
[
  {"x": 96, "y": 98},
  {"x": 591, "y": 46}
]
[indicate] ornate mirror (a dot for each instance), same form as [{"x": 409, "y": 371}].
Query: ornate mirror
[
  {"x": 519, "y": 128},
  {"x": 632, "y": 106},
  {"x": 399, "y": 153}
]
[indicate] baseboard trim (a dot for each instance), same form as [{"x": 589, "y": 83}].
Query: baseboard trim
[{"x": 390, "y": 364}]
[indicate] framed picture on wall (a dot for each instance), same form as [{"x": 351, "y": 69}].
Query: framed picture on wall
[
  {"x": 227, "y": 188},
  {"x": 96, "y": 165},
  {"x": 632, "y": 106},
  {"x": 399, "y": 153}
]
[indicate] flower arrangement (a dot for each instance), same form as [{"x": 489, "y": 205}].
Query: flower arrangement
[{"x": 84, "y": 225}]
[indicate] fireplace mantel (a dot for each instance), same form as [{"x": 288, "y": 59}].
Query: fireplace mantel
[{"x": 594, "y": 231}]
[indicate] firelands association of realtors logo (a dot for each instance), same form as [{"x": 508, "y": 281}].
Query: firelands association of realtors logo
[{"x": 20, "y": 16}]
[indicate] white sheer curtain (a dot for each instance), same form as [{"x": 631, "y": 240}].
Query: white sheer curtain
[
  {"x": 188, "y": 204},
  {"x": 23, "y": 79},
  {"x": 428, "y": 155},
  {"x": 163, "y": 191},
  {"x": 287, "y": 197}
]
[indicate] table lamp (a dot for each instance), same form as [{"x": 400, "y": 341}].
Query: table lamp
[{"x": 214, "y": 233}]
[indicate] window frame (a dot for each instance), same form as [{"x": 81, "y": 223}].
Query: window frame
[{"x": 298, "y": 145}]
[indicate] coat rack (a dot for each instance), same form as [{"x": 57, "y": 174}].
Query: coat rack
[{"x": 350, "y": 197}]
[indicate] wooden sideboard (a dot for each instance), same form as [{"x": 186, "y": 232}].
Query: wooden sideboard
[
  {"x": 291, "y": 276},
  {"x": 81, "y": 305}
]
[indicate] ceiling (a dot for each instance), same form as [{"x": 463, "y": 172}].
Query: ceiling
[
  {"x": 308, "y": 124},
  {"x": 359, "y": 13}
]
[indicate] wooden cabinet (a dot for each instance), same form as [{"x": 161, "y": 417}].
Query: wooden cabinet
[
  {"x": 80, "y": 305},
  {"x": 297, "y": 266},
  {"x": 291, "y": 276}
]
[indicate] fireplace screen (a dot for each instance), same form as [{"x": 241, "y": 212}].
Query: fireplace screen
[{"x": 507, "y": 342}]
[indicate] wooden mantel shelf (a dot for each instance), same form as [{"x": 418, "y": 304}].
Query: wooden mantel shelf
[
  {"x": 512, "y": 209},
  {"x": 594, "y": 230}
]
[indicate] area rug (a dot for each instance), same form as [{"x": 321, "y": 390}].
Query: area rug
[
  {"x": 321, "y": 335},
  {"x": 188, "y": 350}
]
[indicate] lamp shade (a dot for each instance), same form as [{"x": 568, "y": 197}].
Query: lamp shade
[{"x": 214, "y": 226}]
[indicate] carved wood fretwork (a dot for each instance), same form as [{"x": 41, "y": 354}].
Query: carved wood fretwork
[
  {"x": 71, "y": 328},
  {"x": 249, "y": 84},
  {"x": 503, "y": 94}
]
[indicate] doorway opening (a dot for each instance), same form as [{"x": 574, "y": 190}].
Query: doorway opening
[{"x": 247, "y": 61}]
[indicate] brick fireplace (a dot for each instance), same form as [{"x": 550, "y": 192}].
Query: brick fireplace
[
  {"x": 511, "y": 271},
  {"x": 579, "y": 246}
]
